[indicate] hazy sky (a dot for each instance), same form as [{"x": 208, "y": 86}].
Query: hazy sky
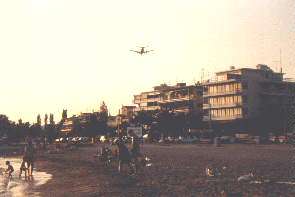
[{"x": 73, "y": 54}]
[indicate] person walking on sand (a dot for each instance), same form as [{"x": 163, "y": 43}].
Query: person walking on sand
[{"x": 29, "y": 154}]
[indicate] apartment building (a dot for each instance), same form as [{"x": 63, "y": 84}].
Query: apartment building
[
  {"x": 180, "y": 97},
  {"x": 239, "y": 98},
  {"x": 127, "y": 111},
  {"x": 147, "y": 101},
  {"x": 126, "y": 114},
  {"x": 67, "y": 126}
]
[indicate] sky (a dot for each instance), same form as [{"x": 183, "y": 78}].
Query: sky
[{"x": 74, "y": 54}]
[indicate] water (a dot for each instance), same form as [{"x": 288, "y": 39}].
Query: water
[{"x": 20, "y": 187}]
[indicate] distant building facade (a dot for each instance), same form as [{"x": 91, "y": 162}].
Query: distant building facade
[
  {"x": 127, "y": 111},
  {"x": 179, "y": 98},
  {"x": 147, "y": 101},
  {"x": 182, "y": 98},
  {"x": 240, "y": 99},
  {"x": 67, "y": 126},
  {"x": 69, "y": 123}
]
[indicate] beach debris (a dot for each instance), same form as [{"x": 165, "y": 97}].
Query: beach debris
[
  {"x": 257, "y": 182},
  {"x": 246, "y": 178},
  {"x": 210, "y": 172},
  {"x": 268, "y": 181},
  {"x": 147, "y": 161},
  {"x": 213, "y": 172}
]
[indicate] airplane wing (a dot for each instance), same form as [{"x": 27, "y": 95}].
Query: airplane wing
[
  {"x": 135, "y": 51},
  {"x": 148, "y": 51}
]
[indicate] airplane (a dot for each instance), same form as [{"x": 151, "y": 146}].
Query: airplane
[{"x": 142, "y": 51}]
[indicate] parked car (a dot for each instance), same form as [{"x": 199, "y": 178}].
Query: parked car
[
  {"x": 171, "y": 139},
  {"x": 188, "y": 140},
  {"x": 273, "y": 139},
  {"x": 163, "y": 140},
  {"x": 244, "y": 138},
  {"x": 283, "y": 139},
  {"x": 205, "y": 140},
  {"x": 227, "y": 139},
  {"x": 60, "y": 140},
  {"x": 103, "y": 138}
]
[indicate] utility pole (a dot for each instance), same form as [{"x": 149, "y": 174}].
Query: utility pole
[
  {"x": 210, "y": 118},
  {"x": 281, "y": 69},
  {"x": 279, "y": 62}
]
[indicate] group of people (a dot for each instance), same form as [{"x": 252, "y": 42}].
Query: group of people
[
  {"x": 130, "y": 158},
  {"x": 27, "y": 162}
]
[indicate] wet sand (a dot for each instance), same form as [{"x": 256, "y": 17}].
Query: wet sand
[
  {"x": 20, "y": 186},
  {"x": 177, "y": 170}
]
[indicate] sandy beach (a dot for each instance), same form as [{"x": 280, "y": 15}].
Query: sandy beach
[{"x": 177, "y": 170}]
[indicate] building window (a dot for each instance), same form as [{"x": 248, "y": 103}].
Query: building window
[{"x": 152, "y": 104}]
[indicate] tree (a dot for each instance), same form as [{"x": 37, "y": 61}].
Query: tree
[
  {"x": 4, "y": 124},
  {"x": 77, "y": 127},
  {"x": 45, "y": 120},
  {"x": 39, "y": 120},
  {"x": 34, "y": 130},
  {"x": 51, "y": 119},
  {"x": 64, "y": 114},
  {"x": 144, "y": 117}
]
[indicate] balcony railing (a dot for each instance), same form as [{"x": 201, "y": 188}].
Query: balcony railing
[
  {"x": 176, "y": 99},
  {"x": 228, "y": 105},
  {"x": 215, "y": 81},
  {"x": 153, "y": 99},
  {"x": 233, "y": 117},
  {"x": 207, "y": 94}
]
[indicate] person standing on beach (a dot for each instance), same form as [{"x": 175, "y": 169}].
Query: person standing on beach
[
  {"x": 123, "y": 154},
  {"x": 23, "y": 167},
  {"x": 29, "y": 154},
  {"x": 135, "y": 149}
]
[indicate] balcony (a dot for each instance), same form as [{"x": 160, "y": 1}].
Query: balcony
[
  {"x": 176, "y": 99},
  {"x": 136, "y": 101},
  {"x": 212, "y": 94},
  {"x": 153, "y": 99},
  {"x": 151, "y": 108},
  {"x": 213, "y": 118},
  {"x": 228, "y": 105},
  {"x": 214, "y": 82}
]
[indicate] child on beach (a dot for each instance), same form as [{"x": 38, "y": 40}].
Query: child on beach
[{"x": 9, "y": 169}]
